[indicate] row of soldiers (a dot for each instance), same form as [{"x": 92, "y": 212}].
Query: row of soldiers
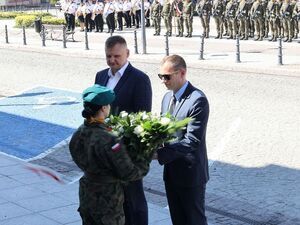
[
  {"x": 247, "y": 18},
  {"x": 243, "y": 18}
]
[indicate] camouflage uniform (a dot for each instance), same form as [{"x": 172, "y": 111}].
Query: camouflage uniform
[
  {"x": 156, "y": 16},
  {"x": 230, "y": 14},
  {"x": 295, "y": 18},
  {"x": 188, "y": 10},
  {"x": 167, "y": 15},
  {"x": 243, "y": 19},
  {"x": 273, "y": 18},
  {"x": 257, "y": 14},
  {"x": 178, "y": 8},
  {"x": 204, "y": 11},
  {"x": 265, "y": 19},
  {"x": 218, "y": 11},
  {"x": 286, "y": 15},
  {"x": 106, "y": 166}
]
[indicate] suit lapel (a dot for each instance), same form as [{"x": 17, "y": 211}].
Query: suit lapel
[
  {"x": 187, "y": 93},
  {"x": 123, "y": 79}
]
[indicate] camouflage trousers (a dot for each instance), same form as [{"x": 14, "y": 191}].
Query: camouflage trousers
[
  {"x": 219, "y": 25},
  {"x": 274, "y": 24},
  {"x": 156, "y": 23},
  {"x": 168, "y": 24},
  {"x": 188, "y": 20},
  {"x": 179, "y": 22},
  {"x": 101, "y": 204},
  {"x": 259, "y": 27},
  {"x": 205, "y": 24},
  {"x": 232, "y": 26},
  {"x": 244, "y": 27},
  {"x": 287, "y": 28}
]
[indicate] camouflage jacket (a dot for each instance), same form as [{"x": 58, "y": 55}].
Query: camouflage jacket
[
  {"x": 188, "y": 9},
  {"x": 218, "y": 8},
  {"x": 167, "y": 9},
  {"x": 106, "y": 166},
  {"x": 257, "y": 11},
  {"x": 156, "y": 8}
]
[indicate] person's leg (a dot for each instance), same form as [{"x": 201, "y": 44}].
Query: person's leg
[
  {"x": 193, "y": 203},
  {"x": 135, "y": 205},
  {"x": 175, "y": 205}
]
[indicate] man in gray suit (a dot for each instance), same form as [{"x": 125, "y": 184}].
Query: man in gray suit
[{"x": 185, "y": 159}]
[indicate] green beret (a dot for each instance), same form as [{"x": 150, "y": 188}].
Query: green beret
[{"x": 98, "y": 95}]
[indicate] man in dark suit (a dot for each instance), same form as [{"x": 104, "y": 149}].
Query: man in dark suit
[
  {"x": 185, "y": 159},
  {"x": 133, "y": 94}
]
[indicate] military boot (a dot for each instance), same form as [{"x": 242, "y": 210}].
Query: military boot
[{"x": 218, "y": 36}]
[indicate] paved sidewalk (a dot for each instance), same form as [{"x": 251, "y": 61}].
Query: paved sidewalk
[{"x": 29, "y": 199}]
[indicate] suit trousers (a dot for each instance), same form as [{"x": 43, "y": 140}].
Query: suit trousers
[
  {"x": 110, "y": 20},
  {"x": 186, "y": 204},
  {"x": 135, "y": 205}
]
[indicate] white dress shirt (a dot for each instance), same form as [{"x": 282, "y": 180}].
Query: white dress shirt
[{"x": 114, "y": 79}]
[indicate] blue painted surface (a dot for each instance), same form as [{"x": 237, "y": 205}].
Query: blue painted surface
[{"x": 33, "y": 122}]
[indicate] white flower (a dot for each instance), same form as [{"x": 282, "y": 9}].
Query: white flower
[
  {"x": 165, "y": 121},
  {"x": 121, "y": 130},
  {"x": 145, "y": 116},
  {"x": 138, "y": 130},
  {"x": 123, "y": 114}
]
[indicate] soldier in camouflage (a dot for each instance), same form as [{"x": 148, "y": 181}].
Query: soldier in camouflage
[
  {"x": 257, "y": 13},
  {"x": 104, "y": 161},
  {"x": 243, "y": 19},
  {"x": 295, "y": 18},
  {"x": 286, "y": 16},
  {"x": 156, "y": 8},
  {"x": 188, "y": 11},
  {"x": 178, "y": 8},
  {"x": 167, "y": 15},
  {"x": 204, "y": 9},
  {"x": 273, "y": 18},
  {"x": 230, "y": 14},
  {"x": 218, "y": 11}
]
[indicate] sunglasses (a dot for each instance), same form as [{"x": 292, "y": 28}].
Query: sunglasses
[{"x": 166, "y": 76}]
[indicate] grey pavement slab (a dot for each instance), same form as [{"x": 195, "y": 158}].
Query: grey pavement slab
[
  {"x": 31, "y": 219},
  {"x": 10, "y": 210}
]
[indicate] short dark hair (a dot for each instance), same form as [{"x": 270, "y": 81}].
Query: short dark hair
[
  {"x": 177, "y": 61},
  {"x": 113, "y": 40}
]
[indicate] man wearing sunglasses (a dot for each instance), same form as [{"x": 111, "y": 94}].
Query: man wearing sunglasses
[
  {"x": 185, "y": 159},
  {"x": 133, "y": 94}
]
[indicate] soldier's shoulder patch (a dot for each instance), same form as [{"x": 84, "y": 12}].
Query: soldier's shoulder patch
[{"x": 116, "y": 147}]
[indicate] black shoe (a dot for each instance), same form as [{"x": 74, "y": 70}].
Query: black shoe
[
  {"x": 187, "y": 35},
  {"x": 155, "y": 34},
  {"x": 230, "y": 37},
  {"x": 178, "y": 35}
]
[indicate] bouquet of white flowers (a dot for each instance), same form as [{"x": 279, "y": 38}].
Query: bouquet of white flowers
[{"x": 143, "y": 133}]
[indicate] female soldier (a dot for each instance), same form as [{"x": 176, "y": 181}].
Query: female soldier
[{"x": 104, "y": 161}]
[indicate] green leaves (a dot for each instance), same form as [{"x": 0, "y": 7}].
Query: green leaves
[{"x": 144, "y": 132}]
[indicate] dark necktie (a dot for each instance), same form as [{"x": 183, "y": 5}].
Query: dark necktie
[{"x": 172, "y": 104}]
